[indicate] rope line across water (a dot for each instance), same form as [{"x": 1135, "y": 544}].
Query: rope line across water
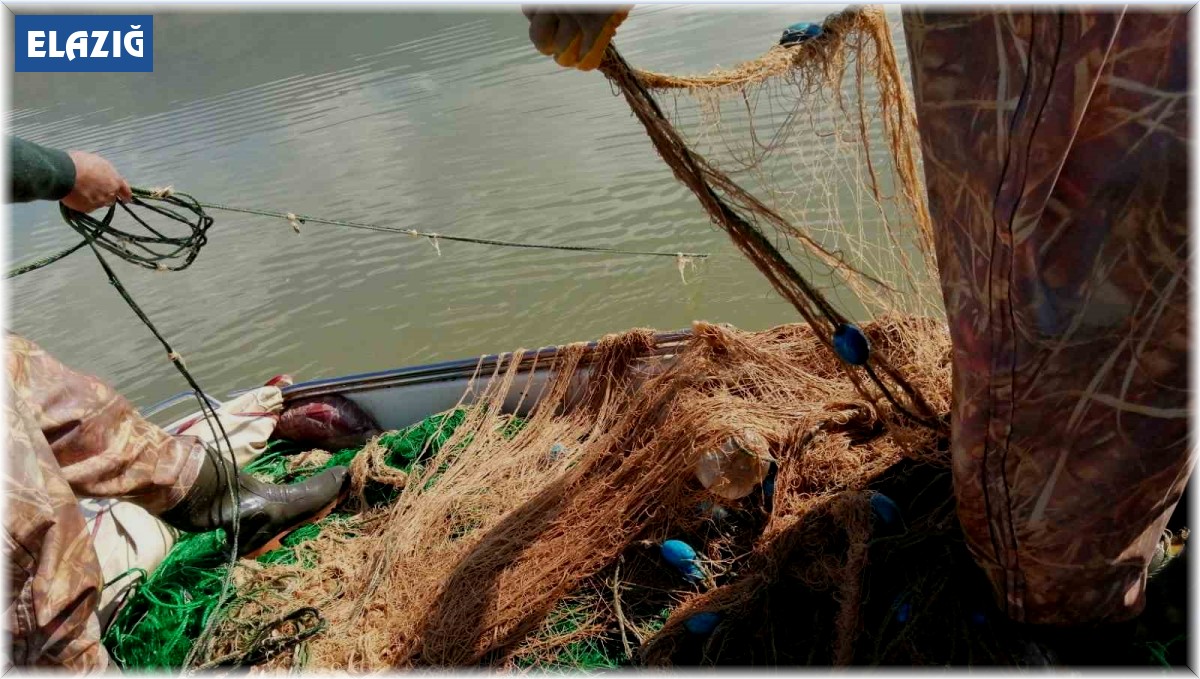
[
  {"x": 176, "y": 206},
  {"x": 297, "y": 219}
]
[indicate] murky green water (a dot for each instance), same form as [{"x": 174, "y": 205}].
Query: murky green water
[{"x": 448, "y": 122}]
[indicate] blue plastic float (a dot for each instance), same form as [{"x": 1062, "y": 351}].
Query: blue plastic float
[
  {"x": 702, "y": 624},
  {"x": 799, "y": 32},
  {"x": 681, "y": 555},
  {"x": 851, "y": 344}
]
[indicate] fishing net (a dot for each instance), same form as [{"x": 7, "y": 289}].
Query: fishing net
[
  {"x": 535, "y": 541},
  {"x": 524, "y": 541},
  {"x": 165, "y": 615},
  {"x": 734, "y": 497},
  {"x": 845, "y": 87},
  {"x": 817, "y": 141}
]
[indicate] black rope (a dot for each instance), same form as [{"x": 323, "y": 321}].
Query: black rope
[
  {"x": 167, "y": 248},
  {"x": 263, "y": 645},
  {"x": 99, "y": 235},
  {"x": 172, "y": 244},
  {"x": 302, "y": 219},
  {"x": 155, "y": 250},
  {"x": 45, "y": 261}
]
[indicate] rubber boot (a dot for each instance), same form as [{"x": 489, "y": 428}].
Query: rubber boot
[
  {"x": 1170, "y": 546},
  {"x": 266, "y": 512}
]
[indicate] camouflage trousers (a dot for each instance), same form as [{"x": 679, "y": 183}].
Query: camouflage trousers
[
  {"x": 71, "y": 436},
  {"x": 1055, "y": 149}
]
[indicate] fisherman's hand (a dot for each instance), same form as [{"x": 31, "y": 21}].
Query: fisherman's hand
[
  {"x": 575, "y": 36},
  {"x": 97, "y": 183}
]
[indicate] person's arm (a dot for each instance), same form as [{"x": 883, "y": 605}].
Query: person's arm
[
  {"x": 104, "y": 448},
  {"x": 82, "y": 181},
  {"x": 39, "y": 173}
]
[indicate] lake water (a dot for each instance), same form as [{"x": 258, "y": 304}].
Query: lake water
[{"x": 447, "y": 122}]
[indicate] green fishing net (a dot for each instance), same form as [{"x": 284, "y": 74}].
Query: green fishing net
[{"x": 167, "y": 611}]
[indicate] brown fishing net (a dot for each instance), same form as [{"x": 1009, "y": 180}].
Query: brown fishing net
[
  {"x": 842, "y": 99},
  {"x": 535, "y": 542},
  {"x": 821, "y": 140},
  {"x": 501, "y": 534}
]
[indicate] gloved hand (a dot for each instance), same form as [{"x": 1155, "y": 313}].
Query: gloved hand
[{"x": 577, "y": 37}]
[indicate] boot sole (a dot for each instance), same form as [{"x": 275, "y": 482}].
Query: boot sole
[{"x": 276, "y": 542}]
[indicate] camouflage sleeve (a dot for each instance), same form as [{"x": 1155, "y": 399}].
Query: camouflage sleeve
[
  {"x": 103, "y": 447},
  {"x": 54, "y": 578},
  {"x": 1056, "y": 160}
]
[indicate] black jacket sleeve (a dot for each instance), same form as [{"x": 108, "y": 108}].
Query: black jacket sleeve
[{"x": 39, "y": 173}]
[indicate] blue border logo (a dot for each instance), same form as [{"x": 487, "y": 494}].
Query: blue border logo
[{"x": 84, "y": 43}]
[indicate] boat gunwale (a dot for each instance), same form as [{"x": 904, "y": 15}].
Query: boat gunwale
[{"x": 665, "y": 344}]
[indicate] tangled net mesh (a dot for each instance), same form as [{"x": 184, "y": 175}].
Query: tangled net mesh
[
  {"x": 508, "y": 531},
  {"x": 821, "y": 140},
  {"x": 523, "y": 529}
]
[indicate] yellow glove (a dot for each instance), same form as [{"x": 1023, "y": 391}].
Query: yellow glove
[{"x": 577, "y": 37}]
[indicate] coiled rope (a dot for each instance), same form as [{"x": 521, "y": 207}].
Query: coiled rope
[
  {"x": 151, "y": 248},
  {"x": 164, "y": 252}
]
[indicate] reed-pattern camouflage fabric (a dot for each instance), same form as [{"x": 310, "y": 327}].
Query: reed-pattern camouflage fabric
[
  {"x": 72, "y": 436},
  {"x": 1056, "y": 160}
]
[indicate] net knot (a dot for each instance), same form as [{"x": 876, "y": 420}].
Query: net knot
[{"x": 682, "y": 261}]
